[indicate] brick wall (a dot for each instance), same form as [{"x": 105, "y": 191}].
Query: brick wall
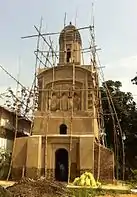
[{"x": 106, "y": 163}]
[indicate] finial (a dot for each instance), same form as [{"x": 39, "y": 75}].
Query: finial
[{"x": 70, "y": 23}]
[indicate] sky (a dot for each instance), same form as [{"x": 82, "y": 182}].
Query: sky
[{"x": 115, "y": 28}]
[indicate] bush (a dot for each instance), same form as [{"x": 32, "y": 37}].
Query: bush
[
  {"x": 86, "y": 179},
  {"x": 4, "y": 192},
  {"x": 5, "y": 158}
]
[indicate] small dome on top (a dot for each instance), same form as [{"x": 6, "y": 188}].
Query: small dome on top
[{"x": 70, "y": 33}]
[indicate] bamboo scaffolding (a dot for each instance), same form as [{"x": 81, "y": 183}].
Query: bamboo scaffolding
[
  {"x": 35, "y": 73},
  {"x": 39, "y": 59},
  {"x": 75, "y": 50},
  {"x": 92, "y": 49},
  {"x": 54, "y": 33},
  {"x": 96, "y": 98},
  {"x": 44, "y": 57},
  {"x": 71, "y": 116},
  {"x": 17, "y": 81},
  {"x": 61, "y": 117},
  {"x": 47, "y": 58},
  {"x": 68, "y": 135},
  {"x": 46, "y": 41},
  {"x": 65, "y": 90},
  {"x": 110, "y": 100}
]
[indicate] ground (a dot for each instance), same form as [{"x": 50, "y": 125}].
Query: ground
[
  {"x": 121, "y": 195},
  {"x": 39, "y": 188},
  {"x": 46, "y": 188}
]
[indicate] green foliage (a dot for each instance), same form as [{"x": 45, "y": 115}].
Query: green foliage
[
  {"x": 83, "y": 192},
  {"x": 134, "y": 80},
  {"x": 5, "y": 193},
  {"x": 133, "y": 176},
  {"x": 5, "y": 158},
  {"x": 127, "y": 114},
  {"x": 86, "y": 179}
]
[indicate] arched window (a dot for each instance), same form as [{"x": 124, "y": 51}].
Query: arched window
[{"x": 63, "y": 129}]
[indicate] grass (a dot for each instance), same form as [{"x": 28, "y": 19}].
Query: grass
[{"x": 82, "y": 192}]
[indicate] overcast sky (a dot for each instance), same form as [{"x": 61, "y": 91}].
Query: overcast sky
[{"x": 115, "y": 26}]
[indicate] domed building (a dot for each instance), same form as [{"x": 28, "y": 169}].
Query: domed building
[{"x": 66, "y": 133}]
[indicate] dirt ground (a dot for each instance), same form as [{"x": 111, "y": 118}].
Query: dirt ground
[
  {"x": 42, "y": 188},
  {"x": 39, "y": 188},
  {"x": 121, "y": 195}
]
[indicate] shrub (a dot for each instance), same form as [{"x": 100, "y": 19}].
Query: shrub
[{"x": 5, "y": 158}]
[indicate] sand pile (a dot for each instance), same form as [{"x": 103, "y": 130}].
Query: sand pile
[{"x": 38, "y": 188}]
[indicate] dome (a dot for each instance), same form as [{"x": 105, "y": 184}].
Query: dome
[{"x": 70, "y": 33}]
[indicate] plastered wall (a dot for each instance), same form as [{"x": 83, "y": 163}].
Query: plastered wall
[
  {"x": 34, "y": 146},
  {"x": 20, "y": 152},
  {"x": 86, "y": 147},
  {"x": 79, "y": 125}
]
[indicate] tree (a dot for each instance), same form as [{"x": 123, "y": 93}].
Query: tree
[
  {"x": 24, "y": 102},
  {"x": 127, "y": 116},
  {"x": 134, "y": 80}
]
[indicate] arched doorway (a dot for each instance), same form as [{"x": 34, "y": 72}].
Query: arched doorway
[
  {"x": 68, "y": 55},
  {"x": 61, "y": 165},
  {"x": 63, "y": 129}
]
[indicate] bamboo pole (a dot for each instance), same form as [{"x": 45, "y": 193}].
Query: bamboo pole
[
  {"x": 46, "y": 146},
  {"x": 76, "y": 117},
  {"x": 54, "y": 33},
  {"x": 81, "y": 49},
  {"x": 16, "y": 127}
]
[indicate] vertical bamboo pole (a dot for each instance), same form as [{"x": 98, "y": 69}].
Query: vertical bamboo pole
[
  {"x": 72, "y": 109},
  {"x": 46, "y": 143},
  {"x": 16, "y": 126}
]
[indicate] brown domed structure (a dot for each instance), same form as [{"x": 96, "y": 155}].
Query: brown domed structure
[
  {"x": 70, "y": 46},
  {"x": 70, "y": 33}
]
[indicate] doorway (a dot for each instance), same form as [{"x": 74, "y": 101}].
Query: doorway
[
  {"x": 68, "y": 55},
  {"x": 61, "y": 165}
]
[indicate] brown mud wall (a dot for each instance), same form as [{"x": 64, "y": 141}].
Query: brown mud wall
[{"x": 106, "y": 164}]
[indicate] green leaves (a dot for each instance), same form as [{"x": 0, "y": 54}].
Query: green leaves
[
  {"x": 5, "y": 157},
  {"x": 134, "y": 80},
  {"x": 127, "y": 114}
]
